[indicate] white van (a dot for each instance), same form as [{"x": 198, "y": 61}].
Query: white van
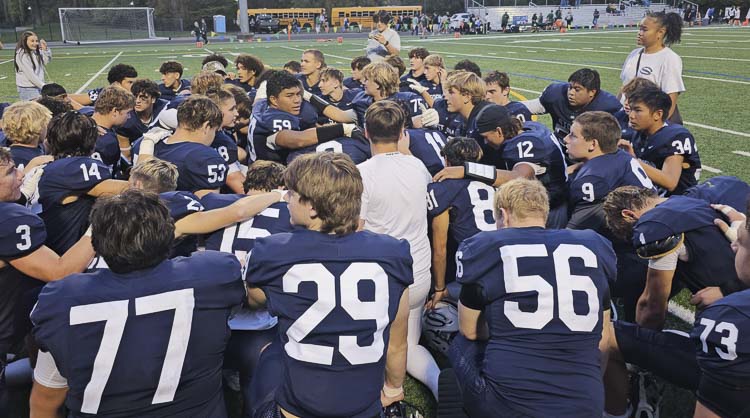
[{"x": 457, "y": 18}]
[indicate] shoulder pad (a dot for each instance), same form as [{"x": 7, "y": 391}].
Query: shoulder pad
[{"x": 660, "y": 248}]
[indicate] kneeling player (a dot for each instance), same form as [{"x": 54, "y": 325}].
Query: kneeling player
[
  {"x": 148, "y": 335},
  {"x": 341, "y": 297},
  {"x": 714, "y": 360},
  {"x": 533, "y": 309}
]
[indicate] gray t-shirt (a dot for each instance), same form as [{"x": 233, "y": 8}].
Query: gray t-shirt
[{"x": 375, "y": 51}]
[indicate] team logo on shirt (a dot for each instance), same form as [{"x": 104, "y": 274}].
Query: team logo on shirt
[{"x": 646, "y": 70}]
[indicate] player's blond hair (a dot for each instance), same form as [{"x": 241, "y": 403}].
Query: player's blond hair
[
  {"x": 434, "y": 60},
  {"x": 23, "y": 122},
  {"x": 205, "y": 81},
  {"x": 155, "y": 175},
  {"x": 522, "y": 199},
  {"x": 332, "y": 184},
  {"x": 466, "y": 83},
  {"x": 384, "y": 76}
]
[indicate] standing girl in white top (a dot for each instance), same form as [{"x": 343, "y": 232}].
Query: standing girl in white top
[
  {"x": 655, "y": 61},
  {"x": 30, "y": 58}
]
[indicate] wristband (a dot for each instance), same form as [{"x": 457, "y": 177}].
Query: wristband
[
  {"x": 319, "y": 103},
  {"x": 482, "y": 172},
  {"x": 391, "y": 392},
  {"x": 440, "y": 290},
  {"x": 329, "y": 132}
]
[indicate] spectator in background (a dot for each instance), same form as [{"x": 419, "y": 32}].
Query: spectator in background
[
  {"x": 383, "y": 40},
  {"x": 596, "y": 18},
  {"x": 204, "y": 31},
  {"x": 569, "y": 20},
  {"x": 29, "y": 60},
  {"x": 506, "y": 17}
]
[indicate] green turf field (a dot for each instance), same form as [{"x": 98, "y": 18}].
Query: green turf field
[{"x": 715, "y": 72}]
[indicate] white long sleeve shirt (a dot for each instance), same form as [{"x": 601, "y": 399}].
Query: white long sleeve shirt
[{"x": 27, "y": 75}]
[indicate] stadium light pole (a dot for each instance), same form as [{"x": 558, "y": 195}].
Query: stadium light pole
[{"x": 242, "y": 17}]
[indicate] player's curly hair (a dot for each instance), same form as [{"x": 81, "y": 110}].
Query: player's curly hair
[
  {"x": 120, "y": 72},
  {"x": 461, "y": 149},
  {"x": 145, "y": 86},
  {"x": 264, "y": 176},
  {"x": 23, "y": 122},
  {"x": 56, "y": 106},
  {"x": 205, "y": 81},
  {"x": 126, "y": 245},
  {"x": 625, "y": 197},
  {"x": 171, "y": 67},
  {"x": 71, "y": 134},
  {"x": 332, "y": 184},
  {"x": 251, "y": 63}
]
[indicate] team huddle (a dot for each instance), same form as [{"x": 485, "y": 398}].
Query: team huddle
[{"x": 295, "y": 230}]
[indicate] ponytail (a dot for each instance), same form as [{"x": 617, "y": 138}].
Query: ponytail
[{"x": 672, "y": 23}]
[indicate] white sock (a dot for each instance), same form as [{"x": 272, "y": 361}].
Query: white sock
[{"x": 419, "y": 362}]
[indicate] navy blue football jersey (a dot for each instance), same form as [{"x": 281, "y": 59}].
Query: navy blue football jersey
[
  {"x": 519, "y": 111},
  {"x": 351, "y": 83},
  {"x": 265, "y": 122},
  {"x": 134, "y": 127},
  {"x": 356, "y": 148},
  {"x": 670, "y": 140},
  {"x": 107, "y": 150},
  {"x": 73, "y": 176},
  {"x": 710, "y": 257},
  {"x": 536, "y": 145},
  {"x": 335, "y": 298},
  {"x": 408, "y": 100},
  {"x": 346, "y": 103},
  {"x": 239, "y": 239},
  {"x": 177, "y": 101},
  {"x": 244, "y": 86},
  {"x": 200, "y": 167},
  {"x": 469, "y": 126},
  {"x": 725, "y": 190},
  {"x": 545, "y": 292},
  {"x": 182, "y": 204},
  {"x": 597, "y": 177},
  {"x": 450, "y": 122},
  {"x": 427, "y": 145},
  {"x": 555, "y": 101},
  {"x": 314, "y": 89},
  {"x": 470, "y": 204},
  {"x": 226, "y": 146},
  {"x": 169, "y": 94},
  {"x": 722, "y": 343},
  {"x": 21, "y": 233},
  {"x": 22, "y": 155},
  {"x": 94, "y": 94},
  {"x": 162, "y": 349}
]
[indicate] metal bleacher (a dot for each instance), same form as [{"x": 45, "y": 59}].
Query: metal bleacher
[{"x": 582, "y": 15}]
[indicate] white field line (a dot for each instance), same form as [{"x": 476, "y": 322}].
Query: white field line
[
  {"x": 743, "y": 153},
  {"x": 579, "y": 65},
  {"x": 83, "y": 87},
  {"x": 681, "y": 312},
  {"x": 6, "y": 61},
  {"x": 710, "y": 169},
  {"x": 601, "y": 52}
]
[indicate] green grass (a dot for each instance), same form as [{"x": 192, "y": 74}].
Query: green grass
[{"x": 718, "y": 57}]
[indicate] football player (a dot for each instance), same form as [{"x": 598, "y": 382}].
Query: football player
[
  {"x": 165, "y": 325},
  {"x": 312, "y": 62},
  {"x": 678, "y": 236},
  {"x": 111, "y": 111},
  {"x": 224, "y": 142},
  {"x": 341, "y": 297},
  {"x": 668, "y": 151},
  {"x": 120, "y": 75},
  {"x": 498, "y": 92},
  {"x": 458, "y": 209},
  {"x": 172, "y": 83},
  {"x": 249, "y": 68},
  {"x": 564, "y": 101},
  {"x": 464, "y": 95},
  {"x": 70, "y": 184},
  {"x": 147, "y": 107},
  {"x": 525, "y": 150},
  {"x": 333, "y": 91},
  {"x": 25, "y": 262},
  {"x": 416, "y": 67},
  {"x": 25, "y": 126},
  {"x": 355, "y": 81},
  {"x": 427, "y": 144},
  {"x": 534, "y": 308},
  {"x": 276, "y": 124},
  {"x": 251, "y": 329},
  {"x": 712, "y": 361},
  {"x": 202, "y": 170}
]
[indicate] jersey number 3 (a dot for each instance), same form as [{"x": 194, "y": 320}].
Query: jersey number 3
[
  {"x": 115, "y": 315},
  {"x": 325, "y": 304}
]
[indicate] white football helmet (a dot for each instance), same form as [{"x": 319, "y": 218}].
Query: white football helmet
[{"x": 440, "y": 325}]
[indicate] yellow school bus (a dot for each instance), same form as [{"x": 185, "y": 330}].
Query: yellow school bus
[
  {"x": 305, "y": 16},
  {"x": 362, "y": 16}
]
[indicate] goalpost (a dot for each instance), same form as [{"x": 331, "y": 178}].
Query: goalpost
[{"x": 106, "y": 24}]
